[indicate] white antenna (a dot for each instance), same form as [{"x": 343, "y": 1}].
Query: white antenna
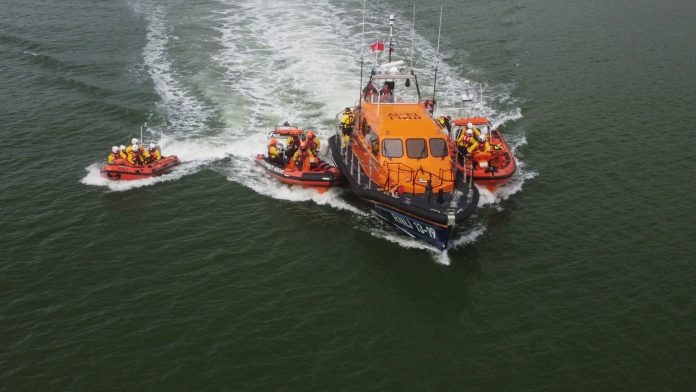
[
  {"x": 467, "y": 101},
  {"x": 413, "y": 33},
  {"x": 362, "y": 51},
  {"x": 141, "y": 133},
  {"x": 437, "y": 55},
  {"x": 391, "y": 35},
  {"x": 481, "y": 98}
]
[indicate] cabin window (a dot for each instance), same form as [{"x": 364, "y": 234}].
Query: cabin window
[
  {"x": 438, "y": 147},
  {"x": 392, "y": 148},
  {"x": 416, "y": 148}
]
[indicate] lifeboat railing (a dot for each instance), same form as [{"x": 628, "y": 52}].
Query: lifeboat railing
[{"x": 395, "y": 173}]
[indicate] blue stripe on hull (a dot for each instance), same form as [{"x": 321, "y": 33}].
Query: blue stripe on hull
[{"x": 427, "y": 232}]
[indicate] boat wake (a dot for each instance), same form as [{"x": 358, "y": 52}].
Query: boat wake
[
  {"x": 494, "y": 198},
  {"x": 254, "y": 67},
  {"x": 468, "y": 236}
]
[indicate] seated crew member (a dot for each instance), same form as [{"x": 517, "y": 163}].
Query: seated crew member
[
  {"x": 135, "y": 157},
  {"x": 122, "y": 151},
  {"x": 482, "y": 153},
  {"x": 301, "y": 155},
  {"x": 153, "y": 153},
  {"x": 113, "y": 156},
  {"x": 313, "y": 143},
  {"x": 386, "y": 93},
  {"x": 369, "y": 91},
  {"x": 274, "y": 152}
]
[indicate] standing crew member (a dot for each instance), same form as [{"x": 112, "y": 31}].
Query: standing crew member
[
  {"x": 347, "y": 122},
  {"x": 369, "y": 91},
  {"x": 386, "y": 93},
  {"x": 467, "y": 142},
  {"x": 445, "y": 122},
  {"x": 313, "y": 143},
  {"x": 273, "y": 152}
]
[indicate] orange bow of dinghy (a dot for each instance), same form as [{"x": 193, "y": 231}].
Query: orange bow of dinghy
[{"x": 123, "y": 170}]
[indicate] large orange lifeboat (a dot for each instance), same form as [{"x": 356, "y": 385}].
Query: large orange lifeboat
[
  {"x": 493, "y": 165},
  {"x": 397, "y": 158},
  {"x": 312, "y": 172},
  {"x": 121, "y": 169}
]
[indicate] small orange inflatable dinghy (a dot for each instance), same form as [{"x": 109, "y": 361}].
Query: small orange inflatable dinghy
[
  {"x": 311, "y": 173},
  {"x": 123, "y": 170},
  {"x": 492, "y": 168}
]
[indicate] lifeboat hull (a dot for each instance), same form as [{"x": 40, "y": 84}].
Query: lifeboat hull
[
  {"x": 123, "y": 171},
  {"x": 413, "y": 216},
  {"x": 499, "y": 168},
  {"x": 321, "y": 178},
  {"x": 434, "y": 234}
]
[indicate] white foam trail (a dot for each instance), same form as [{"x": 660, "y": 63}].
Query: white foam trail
[
  {"x": 93, "y": 177},
  {"x": 185, "y": 112},
  {"x": 287, "y": 64},
  {"x": 274, "y": 64},
  {"x": 194, "y": 155},
  {"x": 515, "y": 184},
  {"x": 442, "y": 257}
]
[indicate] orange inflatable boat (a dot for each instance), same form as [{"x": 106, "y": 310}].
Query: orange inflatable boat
[
  {"x": 312, "y": 173},
  {"x": 492, "y": 168},
  {"x": 123, "y": 170}
]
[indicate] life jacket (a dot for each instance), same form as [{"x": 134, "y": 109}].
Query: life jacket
[
  {"x": 294, "y": 141},
  {"x": 116, "y": 156},
  {"x": 301, "y": 156},
  {"x": 347, "y": 119},
  {"x": 154, "y": 155},
  {"x": 311, "y": 144},
  {"x": 464, "y": 140},
  {"x": 273, "y": 151},
  {"x": 137, "y": 158}
]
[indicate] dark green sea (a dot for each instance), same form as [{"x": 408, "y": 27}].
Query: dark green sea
[{"x": 579, "y": 275}]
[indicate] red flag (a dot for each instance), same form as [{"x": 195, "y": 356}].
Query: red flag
[{"x": 379, "y": 45}]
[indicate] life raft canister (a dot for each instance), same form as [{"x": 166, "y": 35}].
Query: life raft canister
[{"x": 482, "y": 159}]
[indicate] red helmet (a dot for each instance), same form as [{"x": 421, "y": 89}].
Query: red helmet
[
  {"x": 303, "y": 145},
  {"x": 310, "y": 135},
  {"x": 273, "y": 142}
]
